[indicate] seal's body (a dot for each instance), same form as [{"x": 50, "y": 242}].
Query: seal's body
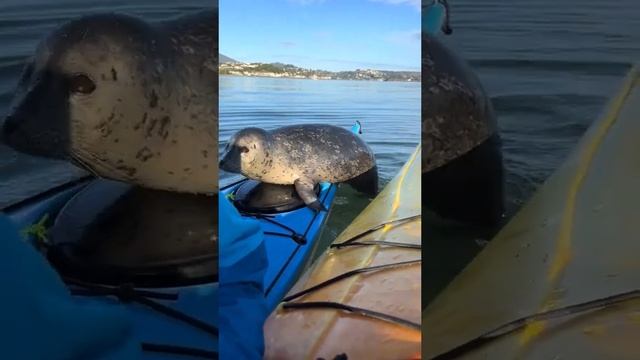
[
  {"x": 303, "y": 155},
  {"x": 125, "y": 99},
  {"x": 461, "y": 157}
]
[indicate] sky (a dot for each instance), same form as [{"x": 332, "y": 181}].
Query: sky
[{"x": 323, "y": 34}]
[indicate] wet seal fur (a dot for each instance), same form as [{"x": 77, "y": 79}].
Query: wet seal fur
[
  {"x": 302, "y": 155},
  {"x": 125, "y": 99},
  {"x": 462, "y": 159},
  {"x": 457, "y": 114}
]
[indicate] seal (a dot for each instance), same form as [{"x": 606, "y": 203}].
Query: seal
[
  {"x": 302, "y": 155},
  {"x": 125, "y": 100},
  {"x": 462, "y": 159}
]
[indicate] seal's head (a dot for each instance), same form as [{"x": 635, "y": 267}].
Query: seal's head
[
  {"x": 79, "y": 86},
  {"x": 246, "y": 151}
]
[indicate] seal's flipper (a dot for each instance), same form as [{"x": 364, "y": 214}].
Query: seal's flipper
[
  {"x": 317, "y": 206},
  {"x": 366, "y": 182},
  {"x": 304, "y": 188}
]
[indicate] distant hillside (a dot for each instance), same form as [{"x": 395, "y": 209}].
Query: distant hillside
[
  {"x": 227, "y": 60},
  {"x": 229, "y": 66}
]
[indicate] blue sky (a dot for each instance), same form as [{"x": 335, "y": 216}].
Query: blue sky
[{"x": 323, "y": 34}]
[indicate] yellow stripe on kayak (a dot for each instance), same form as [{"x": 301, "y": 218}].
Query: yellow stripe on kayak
[
  {"x": 403, "y": 175},
  {"x": 563, "y": 249}
]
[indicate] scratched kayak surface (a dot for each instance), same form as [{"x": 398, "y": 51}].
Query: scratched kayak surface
[
  {"x": 574, "y": 243},
  {"x": 379, "y": 309}
]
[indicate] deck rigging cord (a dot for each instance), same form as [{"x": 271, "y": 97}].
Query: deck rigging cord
[
  {"x": 446, "y": 27},
  {"x": 300, "y": 239},
  {"x": 518, "y": 324},
  {"x": 352, "y": 241},
  {"x": 127, "y": 293},
  {"x": 288, "y": 304},
  {"x": 351, "y": 309}
]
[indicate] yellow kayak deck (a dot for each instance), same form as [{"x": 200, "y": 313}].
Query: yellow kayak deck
[
  {"x": 577, "y": 240},
  {"x": 390, "y": 329}
]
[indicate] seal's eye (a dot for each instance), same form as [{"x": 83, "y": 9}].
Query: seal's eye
[
  {"x": 81, "y": 83},
  {"x": 244, "y": 149}
]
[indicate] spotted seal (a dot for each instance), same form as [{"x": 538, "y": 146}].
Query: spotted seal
[
  {"x": 125, "y": 99},
  {"x": 302, "y": 155},
  {"x": 462, "y": 159}
]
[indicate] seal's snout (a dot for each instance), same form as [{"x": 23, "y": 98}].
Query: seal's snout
[
  {"x": 224, "y": 164},
  {"x": 230, "y": 161}
]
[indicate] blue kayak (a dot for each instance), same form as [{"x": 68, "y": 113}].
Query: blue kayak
[
  {"x": 290, "y": 233},
  {"x": 169, "y": 322},
  {"x": 290, "y": 236}
]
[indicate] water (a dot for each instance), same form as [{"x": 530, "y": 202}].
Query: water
[
  {"x": 389, "y": 113},
  {"x": 550, "y": 67},
  {"x": 22, "y": 24}
]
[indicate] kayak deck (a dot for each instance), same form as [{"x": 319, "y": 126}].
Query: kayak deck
[
  {"x": 362, "y": 296},
  {"x": 568, "y": 254},
  {"x": 288, "y": 254},
  {"x": 167, "y": 335}
]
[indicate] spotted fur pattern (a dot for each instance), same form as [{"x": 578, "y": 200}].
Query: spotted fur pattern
[{"x": 457, "y": 115}]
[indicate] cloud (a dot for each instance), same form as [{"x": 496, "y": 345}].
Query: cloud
[
  {"x": 415, "y": 3},
  {"x": 288, "y": 44}
]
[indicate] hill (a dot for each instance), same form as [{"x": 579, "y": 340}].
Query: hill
[
  {"x": 229, "y": 66},
  {"x": 227, "y": 60}
]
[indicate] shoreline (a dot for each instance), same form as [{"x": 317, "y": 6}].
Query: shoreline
[{"x": 316, "y": 79}]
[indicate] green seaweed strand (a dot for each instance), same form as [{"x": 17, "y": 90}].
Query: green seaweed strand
[{"x": 37, "y": 230}]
